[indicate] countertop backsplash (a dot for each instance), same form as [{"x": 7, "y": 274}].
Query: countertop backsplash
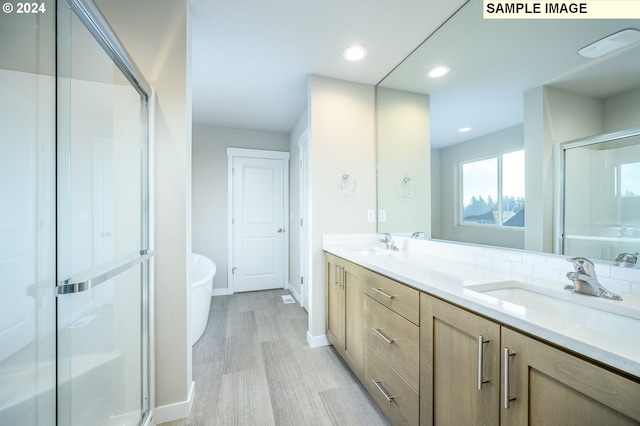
[{"x": 543, "y": 269}]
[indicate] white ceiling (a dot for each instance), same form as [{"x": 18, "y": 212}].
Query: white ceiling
[
  {"x": 494, "y": 62},
  {"x": 251, "y": 58}
]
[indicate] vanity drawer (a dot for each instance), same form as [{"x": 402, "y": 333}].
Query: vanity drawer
[
  {"x": 400, "y": 298},
  {"x": 399, "y": 401},
  {"x": 394, "y": 338}
]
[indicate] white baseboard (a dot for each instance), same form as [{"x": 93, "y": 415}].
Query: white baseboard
[
  {"x": 295, "y": 294},
  {"x": 150, "y": 420},
  {"x": 220, "y": 292},
  {"x": 176, "y": 411},
  {"x": 317, "y": 341}
]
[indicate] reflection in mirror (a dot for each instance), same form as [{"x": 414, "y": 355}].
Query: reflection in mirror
[
  {"x": 601, "y": 196},
  {"x": 513, "y": 86}
]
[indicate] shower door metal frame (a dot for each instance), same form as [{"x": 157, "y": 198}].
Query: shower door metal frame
[
  {"x": 91, "y": 17},
  {"x": 559, "y": 167}
]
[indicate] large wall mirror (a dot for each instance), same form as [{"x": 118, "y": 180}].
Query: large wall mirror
[{"x": 469, "y": 156}]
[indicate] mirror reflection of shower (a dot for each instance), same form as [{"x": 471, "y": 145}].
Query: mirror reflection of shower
[{"x": 602, "y": 195}]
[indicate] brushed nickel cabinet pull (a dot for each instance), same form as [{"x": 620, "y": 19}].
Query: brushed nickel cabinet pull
[
  {"x": 507, "y": 397},
  {"x": 388, "y": 397},
  {"x": 481, "y": 343},
  {"x": 382, "y": 336},
  {"x": 343, "y": 281},
  {"x": 379, "y": 291}
]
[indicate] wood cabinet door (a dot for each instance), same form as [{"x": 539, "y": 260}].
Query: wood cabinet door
[
  {"x": 551, "y": 387},
  {"x": 335, "y": 303},
  {"x": 451, "y": 358},
  {"x": 354, "y": 316}
]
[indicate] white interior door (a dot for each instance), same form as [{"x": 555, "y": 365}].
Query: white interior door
[{"x": 260, "y": 239}]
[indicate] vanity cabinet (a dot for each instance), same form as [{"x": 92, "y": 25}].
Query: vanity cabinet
[
  {"x": 460, "y": 358},
  {"x": 392, "y": 347},
  {"x": 476, "y": 372},
  {"x": 426, "y": 361},
  {"x": 545, "y": 386},
  {"x": 345, "y": 310}
]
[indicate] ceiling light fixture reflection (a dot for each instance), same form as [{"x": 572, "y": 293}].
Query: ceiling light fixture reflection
[
  {"x": 611, "y": 43},
  {"x": 464, "y": 129},
  {"x": 354, "y": 53},
  {"x": 438, "y": 71}
]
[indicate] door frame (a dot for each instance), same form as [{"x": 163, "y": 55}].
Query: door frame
[
  {"x": 265, "y": 155},
  {"x": 304, "y": 144}
]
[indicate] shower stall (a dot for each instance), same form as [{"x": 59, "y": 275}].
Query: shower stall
[
  {"x": 75, "y": 253},
  {"x": 601, "y": 195}
]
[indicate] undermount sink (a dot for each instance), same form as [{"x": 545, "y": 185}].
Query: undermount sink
[{"x": 570, "y": 309}]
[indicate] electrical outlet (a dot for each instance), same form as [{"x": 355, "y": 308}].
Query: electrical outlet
[
  {"x": 371, "y": 216},
  {"x": 382, "y": 216}
]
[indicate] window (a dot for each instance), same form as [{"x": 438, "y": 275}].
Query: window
[
  {"x": 493, "y": 191},
  {"x": 629, "y": 180}
]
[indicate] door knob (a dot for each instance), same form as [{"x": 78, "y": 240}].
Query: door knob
[{"x": 280, "y": 230}]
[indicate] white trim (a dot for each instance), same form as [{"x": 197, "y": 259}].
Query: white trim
[
  {"x": 151, "y": 362},
  {"x": 257, "y": 153},
  {"x": 317, "y": 341},
  {"x": 176, "y": 411},
  {"x": 220, "y": 292},
  {"x": 262, "y": 154},
  {"x": 304, "y": 145},
  {"x": 295, "y": 294},
  {"x": 149, "y": 420},
  {"x": 230, "y": 155}
]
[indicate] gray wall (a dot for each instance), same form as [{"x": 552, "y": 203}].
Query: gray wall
[
  {"x": 342, "y": 132},
  {"x": 164, "y": 57},
  {"x": 210, "y": 185}
]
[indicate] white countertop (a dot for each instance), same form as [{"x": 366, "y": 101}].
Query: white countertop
[{"x": 605, "y": 331}]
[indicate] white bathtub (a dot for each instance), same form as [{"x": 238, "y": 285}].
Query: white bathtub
[{"x": 202, "y": 272}]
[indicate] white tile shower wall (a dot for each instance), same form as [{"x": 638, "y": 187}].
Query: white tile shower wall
[{"x": 507, "y": 264}]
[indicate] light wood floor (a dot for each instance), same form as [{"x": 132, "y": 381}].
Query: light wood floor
[{"x": 253, "y": 366}]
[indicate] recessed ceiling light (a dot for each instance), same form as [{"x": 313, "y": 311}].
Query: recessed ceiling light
[
  {"x": 464, "y": 129},
  {"x": 438, "y": 71},
  {"x": 611, "y": 43},
  {"x": 354, "y": 53}
]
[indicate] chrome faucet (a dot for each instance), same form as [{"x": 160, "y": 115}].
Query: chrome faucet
[
  {"x": 627, "y": 259},
  {"x": 388, "y": 242},
  {"x": 417, "y": 234},
  {"x": 585, "y": 280}
]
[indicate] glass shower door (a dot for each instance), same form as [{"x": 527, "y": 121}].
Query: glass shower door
[
  {"x": 602, "y": 195},
  {"x": 27, "y": 217},
  {"x": 102, "y": 223}
]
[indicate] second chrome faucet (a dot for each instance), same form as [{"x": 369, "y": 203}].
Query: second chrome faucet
[
  {"x": 388, "y": 242},
  {"x": 585, "y": 280}
]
